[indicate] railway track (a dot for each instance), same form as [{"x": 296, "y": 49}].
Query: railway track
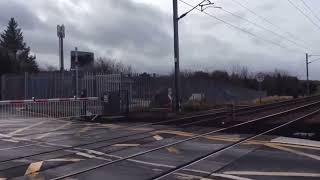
[
  {"x": 312, "y": 107},
  {"x": 217, "y": 118},
  {"x": 189, "y": 122},
  {"x": 231, "y": 145}
]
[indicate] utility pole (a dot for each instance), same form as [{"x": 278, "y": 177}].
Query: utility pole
[
  {"x": 61, "y": 35},
  {"x": 203, "y": 5},
  {"x": 307, "y": 66},
  {"x": 176, "y": 55},
  {"x": 308, "y": 61}
]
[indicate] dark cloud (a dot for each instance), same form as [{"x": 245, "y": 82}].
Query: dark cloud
[
  {"x": 10, "y": 9},
  {"x": 141, "y": 35}
]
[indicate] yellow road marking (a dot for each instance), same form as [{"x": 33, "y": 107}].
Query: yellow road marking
[
  {"x": 25, "y": 128},
  {"x": 187, "y": 134},
  {"x": 295, "y": 146},
  {"x": 189, "y": 176},
  {"x": 284, "y": 174},
  {"x": 228, "y": 139},
  {"x": 34, "y": 168},
  {"x": 158, "y": 138},
  {"x": 58, "y": 128},
  {"x": 295, "y": 152},
  {"x": 180, "y": 133},
  {"x": 173, "y": 150},
  {"x": 141, "y": 129},
  {"x": 112, "y": 126},
  {"x": 85, "y": 129},
  {"x": 296, "y": 141},
  {"x": 126, "y": 145}
]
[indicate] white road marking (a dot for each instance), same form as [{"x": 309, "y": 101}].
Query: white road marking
[
  {"x": 49, "y": 133},
  {"x": 95, "y": 152},
  {"x": 168, "y": 166},
  {"x": 312, "y": 156},
  {"x": 5, "y": 135},
  {"x": 126, "y": 145},
  {"x": 34, "y": 168},
  {"x": 158, "y": 137},
  {"x": 89, "y": 155},
  {"x": 65, "y": 160},
  {"x": 229, "y": 176},
  {"x": 10, "y": 140},
  {"x": 188, "y": 176},
  {"x": 295, "y": 146},
  {"x": 21, "y": 160},
  {"x": 85, "y": 155},
  {"x": 283, "y": 174},
  {"x": 25, "y": 128},
  {"x": 296, "y": 141}
]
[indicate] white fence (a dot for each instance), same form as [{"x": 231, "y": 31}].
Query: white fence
[{"x": 56, "y": 108}]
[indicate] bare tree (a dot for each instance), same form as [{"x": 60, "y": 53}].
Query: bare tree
[{"x": 108, "y": 65}]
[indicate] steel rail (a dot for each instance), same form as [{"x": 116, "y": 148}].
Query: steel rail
[
  {"x": 185, "y": 140},
  {"x": 121, "y": 142},
  {"x": 220, "y": 150},
  {"x": 221, "y": 111},
  {"x": 99, "y": 141},
  {"x": 155, "y": 130},
  {"x": 125, "y": 136}
]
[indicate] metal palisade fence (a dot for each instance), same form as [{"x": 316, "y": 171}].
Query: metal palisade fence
[
  {"x": 127, "y": 93},
  {"x": 111, "y": 93}
]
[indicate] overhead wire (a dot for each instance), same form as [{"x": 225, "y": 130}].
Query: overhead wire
[
  {"x": 309, "y": 8},
  {"x": 269, "y": 22},
  {"x": 266, "y": 29},
  {"x": 241, "y": 29},
  {"x": 304, "y": 14}
]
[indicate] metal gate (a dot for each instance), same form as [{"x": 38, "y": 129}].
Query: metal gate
[{"x": 55, "y": 108}]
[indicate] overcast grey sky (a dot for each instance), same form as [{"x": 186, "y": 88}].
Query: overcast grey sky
[{"x": 139, "y": 33}]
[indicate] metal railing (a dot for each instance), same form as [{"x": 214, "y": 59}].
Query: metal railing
[{"x": 55, "y": 108}]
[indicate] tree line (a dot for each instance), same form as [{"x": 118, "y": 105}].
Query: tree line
[
  {"x": 278, "y": 82},
  {"x": 275, "y": 83},
  {"x": 14, "y": 53}
]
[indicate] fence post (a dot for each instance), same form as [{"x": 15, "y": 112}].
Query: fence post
[
  {"x": 3, "y": 87},
  {"x": 126, "y": 102},
  {"x": 233, "y": 111},
  {"x": 26, "y": 77},
  {"x": 120, "y": 93}
]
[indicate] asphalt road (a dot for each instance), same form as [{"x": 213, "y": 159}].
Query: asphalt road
[{"x": 44, "y": 148}]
